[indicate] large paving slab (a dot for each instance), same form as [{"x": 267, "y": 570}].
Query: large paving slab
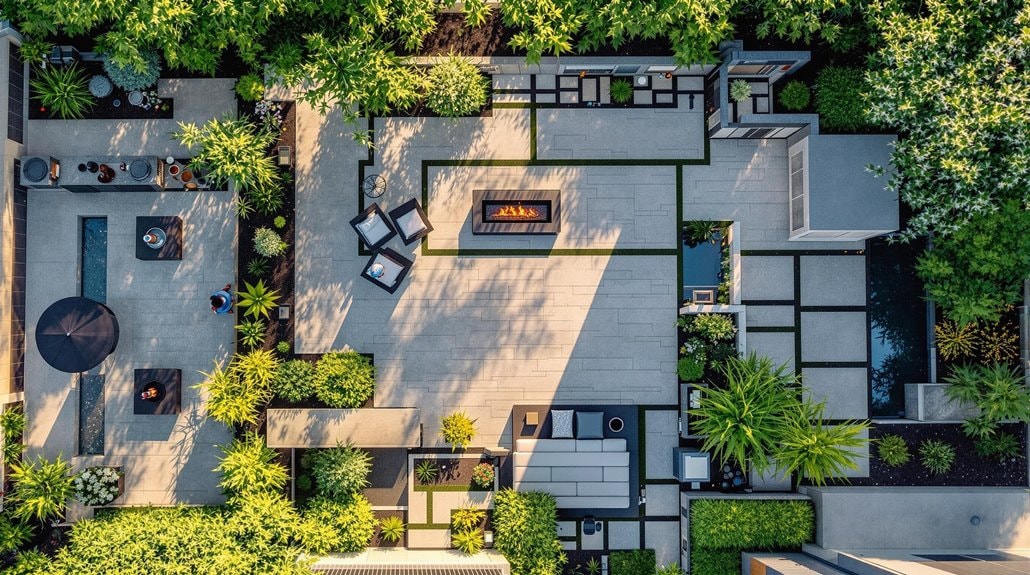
[
  {"x": 664, "y": 538},
  {"x": 767, "y": 278},
  {"x": 844, "y": 389},
  {"x": 624, "y": 535},
  {"x": 778, "y": 346},
  {"x": 833, "y": 280},
  {"x": 606, "y": 133},
  {"x": 662, "y": 435},
  {"x": 663, "y": 500},
  {"x": 601, "y": 206},
  {"x": 833, "y": 336}
]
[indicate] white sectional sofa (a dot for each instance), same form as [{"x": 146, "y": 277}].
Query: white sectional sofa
[{"x": 580, "y": 473}]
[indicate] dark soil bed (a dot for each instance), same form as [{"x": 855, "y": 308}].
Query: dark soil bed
[
  {"x": 104, "y": 108},
  {"x": 378, "y": 541},
  {"x": 969, "y": 468},
  {"x": 454, "y": 472},
  {"x": 578, "y": 560}
]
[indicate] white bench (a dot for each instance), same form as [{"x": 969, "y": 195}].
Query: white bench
[{"x": 580, "y": 473}]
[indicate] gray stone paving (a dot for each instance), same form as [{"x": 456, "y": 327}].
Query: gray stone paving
[
  {"x": 833, "y": 336},
  {"x": 664, "y": 538},
  {"x": 662, "y": 435},
  {"x": 663, "y": 499},
  {"x": 833, "y": 280},
  {"x": 767, "y": 278},
  {"x": 624, "y": 535},
  {"x": 844, "y": 389},
  {"x": 606, "y": 133},
  {"x": 777, "y": 346}
]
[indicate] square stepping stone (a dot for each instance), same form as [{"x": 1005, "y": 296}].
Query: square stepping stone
[
  {"x": 833, "y": 280},
  {"x": 844, "y": 389},
  {"x": 545, "y": 82},
  {"x": 546, "y": 98},
  {"x": 663, "y": 500},
  {"x": 777, "y": 346},
  {"x": 623, "y": 535},
  {"x": 569, "y": 98},
  {"x": 664, "y": 538},
  {"x": 663, "y": 98},
  {"x": 642, "y": 97},
  {"x": 832, "y": 336},
  {"x": 661, "y": 83},
  {"x": 565, "y": 82},
  {"x": 767, "y": 277}
]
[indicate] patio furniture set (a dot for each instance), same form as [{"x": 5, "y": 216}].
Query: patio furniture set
[{"x": 375, "y": 228}]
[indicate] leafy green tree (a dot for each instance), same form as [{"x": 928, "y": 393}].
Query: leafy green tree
[
  {"x": 949, "y": 78},
  {"x": 231, "y": 149},
  {"x": 796, "y": 20}
]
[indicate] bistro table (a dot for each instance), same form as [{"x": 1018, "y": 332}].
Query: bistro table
[
  {"x": 168, "y": 230},
  {"x": 163, "y": 388}
]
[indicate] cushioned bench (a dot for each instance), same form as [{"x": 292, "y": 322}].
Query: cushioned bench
[{"x": 580, "y": 473}]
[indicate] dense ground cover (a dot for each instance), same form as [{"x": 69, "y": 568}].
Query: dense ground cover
[{"x": 721, "y": 528}]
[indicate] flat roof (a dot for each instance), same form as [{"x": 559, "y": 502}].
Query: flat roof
[{"x": 842, "y": 194}]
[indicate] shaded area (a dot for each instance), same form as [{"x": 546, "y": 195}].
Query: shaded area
[
  {"x": 388, "y": 483},
  {"x": 898, "y": 351}
]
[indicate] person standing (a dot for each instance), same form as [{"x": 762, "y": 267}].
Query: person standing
[{"x": 221, "y": 301}]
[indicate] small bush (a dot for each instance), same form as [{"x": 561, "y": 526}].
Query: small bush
[
  {"x": 742, "y": 524},
  {"x": 638, "y": 562},
  {"x": 334, "y": 526},
  {"x": 999, "y": 342},
  {"x": 340, "y": 472},
  {"x": 839, "y": 100},
  {"x": 690, "y": 368},
  {"x": 621, "y": 91},
  {"x": 458, "y": 429},
  {"x": 100, "y": 86},
  {"x": 937, "y": 456},
  {"x": 1000, "y": 446},
  {"x": 63, "y": 91},
  {"x": 426, "y": 471},
  {"x": 344, "y": 379},
  {"x": 468, "y": 542},
  {"x": 257, "y": 267},
  {"x": 391, "y": 529},
  {"x": 893, "y": 450},
  {"x": 483, "y": 475},
  {"x": 250, "y": 88},
  {"x": 795, "y": 95},
  {"x": 294, "y": 381},
  {"x": 129, "y": 78},
  {"x": 740, "y": 90},
  {"x": 258, "y": 299},
  {"x": 279, "y": 222},
  {"x": 249, "y": 466},
  {"x": 456, "y": 88},
  {"x": 13, "y": 535},
  {"x": 466, "y": 518},
  {"x": 12, "y": 423},
  {"x": 524, "y": 532},
  {"x": 955, "y": 341},
  {"x": 41, "y": 489},
  {"x": 268, "y": 243},
  {"x": 283, "y": 347},
  {"x": 252, "y": 333},
  {"x": 714, "y": 327},
  {"x": 96, "y": 485},
  {"x": 714, "y": 561}
]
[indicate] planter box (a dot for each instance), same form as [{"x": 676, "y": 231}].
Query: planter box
[{"x": 929, "y": 402}]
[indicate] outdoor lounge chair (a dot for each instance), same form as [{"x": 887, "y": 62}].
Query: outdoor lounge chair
[
  {"x": 373, "y": 227},
  {"x": 410, "y": 221},
  {"x": 395, "y": 269}
]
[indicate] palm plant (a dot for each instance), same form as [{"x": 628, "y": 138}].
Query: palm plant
[
  {"x": 249, "y": 466},
  {"x": 63, "y": 90},
  {"x": 252, "y": 333},
  {"x": 816, "y": 450},
  {"x": 426, "y": 471},
  {"x": 41, "y": 489},
  {"x": 258, "y": 299},
  {"x": 391, "y": 529},
  {"x": 468, "y": 542}
]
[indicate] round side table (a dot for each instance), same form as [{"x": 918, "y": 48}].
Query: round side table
[{"x": 373, "y": 186}]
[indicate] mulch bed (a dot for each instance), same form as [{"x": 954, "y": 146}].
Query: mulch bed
[
  {"x": 969, "y": 468},
  {"x": 453, "y": 472},
  {"x": 378, "y": 541},
  {"x": 577, "y": 562},
  {"x": 104, "y": 108}
]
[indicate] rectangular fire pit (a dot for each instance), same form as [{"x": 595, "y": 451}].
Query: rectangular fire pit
[{"x": 516, "y": 211}]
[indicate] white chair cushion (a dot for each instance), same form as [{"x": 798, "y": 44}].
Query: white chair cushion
[
  {"x": 391, "y": 270},
  {"x": 410, "y": 223},
  {"x": 561, "y": 423},
  {"x": 373, "y": 228}
]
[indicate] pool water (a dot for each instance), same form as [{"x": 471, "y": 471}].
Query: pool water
[
  {"x": 94, "y": 259},
  {"x": 701, "y": 267},
  {"x": 898, "y": 327}
]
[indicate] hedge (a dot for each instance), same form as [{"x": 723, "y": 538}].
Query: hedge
[
  {"x": 750, "y": 524},
  {"x": 638, "y": 562},
  {"x": 714, "y": 561},
  {"x": 525, "y": 532}
]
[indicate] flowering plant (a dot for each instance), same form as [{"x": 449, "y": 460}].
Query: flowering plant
[
  {"x": 483, "y": 475},
  {"x": 271, "y": 114},
  {"x": 96, "y": 485}
]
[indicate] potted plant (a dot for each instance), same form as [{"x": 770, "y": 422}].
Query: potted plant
[
  {"x": 97, "y": 486},
  {"x": 621, "y": 91},
  {"x": 483, "y": 475}
]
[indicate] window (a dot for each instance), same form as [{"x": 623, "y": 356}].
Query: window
[
  {"x": 797, "y": 190},
  {"x": 661, "y": 69},
  {"x": 15, "y": 97}
]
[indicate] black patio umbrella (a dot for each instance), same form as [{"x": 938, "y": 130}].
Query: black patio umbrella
[{"x": 76, "y": 334}]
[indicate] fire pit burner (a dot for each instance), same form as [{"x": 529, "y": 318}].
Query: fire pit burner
[
  {"x": 516, "y": 212},
  {"x": 507, "y": 211}
]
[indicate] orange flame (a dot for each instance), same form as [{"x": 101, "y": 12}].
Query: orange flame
[{"x": 517, "y": 212}]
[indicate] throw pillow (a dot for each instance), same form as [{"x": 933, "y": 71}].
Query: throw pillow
[
  {"x": 561, "y": 423},
  {"x": 589, "y": 425}
]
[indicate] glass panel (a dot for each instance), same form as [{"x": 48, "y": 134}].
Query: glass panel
[
  {"x": 797, "y": 184},
  {"x": 797, "y": 214},
  {"x": 796, "y": 161}
]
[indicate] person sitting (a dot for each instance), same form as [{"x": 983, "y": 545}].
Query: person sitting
[{"x": 221, "y": 301}]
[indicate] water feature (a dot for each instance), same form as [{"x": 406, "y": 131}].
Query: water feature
[{"x": 93, "y": 265}]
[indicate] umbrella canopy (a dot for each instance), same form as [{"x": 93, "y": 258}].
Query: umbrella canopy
[{"x": 76, "y": 334}]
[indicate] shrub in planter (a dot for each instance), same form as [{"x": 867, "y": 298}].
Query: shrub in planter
[
  {"x": 637, "y": 562},
  {"x": 13, "y": 535},
  {"x": 96, "y": 486},
  {"x": 294, "y": 380},
  {"x": 999, "y": 342},
  {"x": 279, "y": 222},
  {"x": 250, "y": 88},
  {"x": 456, "y": 88},
  {"x": 955, "y": 341},
  {"x": 892, "y": 450},
  {"x": 252, "y": 333},
  {"x": 268, "y": 243},
  {"x": 426, "y": 471},
  {"x": 249, "y": 466},
  {"x": 690, "y": 368},
  {"x": 997, "y": 390},
  {"x": 483, "y": 475},
  {"x": 714, "y": 561},
  {"x": 344, "y": 379},
  {"x": 258, "y": 299},
  {"x": 12, "y": 423},
  {"x": 621, "y": 91},
  {"x": 340, "y": 472},
  {"x": 335, "y": 526},
  {"x": 458, "y": 429},
  {"x": 41, "y": 489},
  {"x": 750, "y": 524},
  {"x": 839, "y": 100},
  {"x": 235, "y": 392},
  {"x": 391, "y": 529},
  {"x": 713, "y": 327},
  {"x": 1000, "y": 446},
  {"x": 524, "y": 532},
  {"x": 129, "y": 78},
  {"x": 283, "y": 347},
  {"x": 100, "y": 86},
  {"x": 937, "y": 456},
  {"x": 467, "y": 518},
  {"x": 468, "y": 542},
  {"x": 795, "y": 95},
  {"x": 63, "y": 91},
  {"x": 697, "y": 232},
  {"x": 740, "y": 90}
]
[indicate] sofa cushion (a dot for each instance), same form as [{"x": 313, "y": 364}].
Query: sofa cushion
[
  {"x": 589, "y": 425},
  {"x": 596, "y": 502},
  {"x": 373, "y": 228},
  {"x": 557, "y": 459},
  {"x": 531, "y": 474},
  {"x": 577, "y": 474},
  {"x": 561, "y": 423},
  {"x": 614, "y": 444},
  {"x": 410, "y": 223},
  {"x": 524, "y": 445},
  {"x": 589, "y": 445}
]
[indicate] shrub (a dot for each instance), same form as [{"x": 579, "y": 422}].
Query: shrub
[
  {"x": 621, "y": 91},
  {"x": 743, "y": 524},
  {"x": 818, "y": 450},
  {"x": 265, "y": 516},
  {"x": 697, "y": 232},
  {"x": 341, "y": 527},
  {"x": 740, "y": 90},
  {"x": 258, "y": 299},
  {"x": 456, "y": 88},
  {"x": 524, "y": 532},
  {"x": 637, "y": 562},
  {"x": 235, "y": 393},
  {"x": 279, "y": 222},
  {"x": 252, "y": 333},
  {"x": 714, "y": 561},
  {"x": 250, "y": 88},
  {"x": 483, "y": 475},
  {"x": 997, "y": 390},
  {"x": 232, "y": 149},
  {"x": 63, "y": 90},
  {"x": 249, "y": 466},
  {"x": 468, "y": 542},
  {"x": 257, "y": 267},
  {"x": 955, "y": 341},
  {"x": 937, "y": 456},
  {"x": 12, "y": 423},
  {"x": 466, "y": 518},
  {"x": 458, "y": 429},
  {"x": 13, "y": 534},
  {"x": 670, "y": 569},
  {"x": 713, "y": 327},
  {"x": 41, "y": 489},
  {"x": 340, "y": 472},
  {"x": 839, "y": 100},
  {"x": 391, "y": 529},
  {"x": 999, "y": 342},
  {"x": 426, "y": 471},
  {"x": 96, "y": 485},
  {"x": 267, "y": 198},
  {"x": 344, "y": 379},
  {"x": 130, "y": 78},
  {"x": 1000, "y": 446},
  {"x": 795, "y": 95},
  {"x": 268, "y": 243},
  {"x": 893, "y": 450},
  {"x": 283, "y": 347},
  {"x": 690, "y": 368},
  {"x": 100, "y": 86},
  {"x": 294, "y": 381}
]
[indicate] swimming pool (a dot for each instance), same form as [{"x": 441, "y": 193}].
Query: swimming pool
[
  {"x": 898, "y": 327},
  {"x": 701, "y": 268}
]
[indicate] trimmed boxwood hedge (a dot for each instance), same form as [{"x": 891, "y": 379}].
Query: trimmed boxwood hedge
[
  {"x": 638, "y": 562},
  {"x": 721, "y": 528}
]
